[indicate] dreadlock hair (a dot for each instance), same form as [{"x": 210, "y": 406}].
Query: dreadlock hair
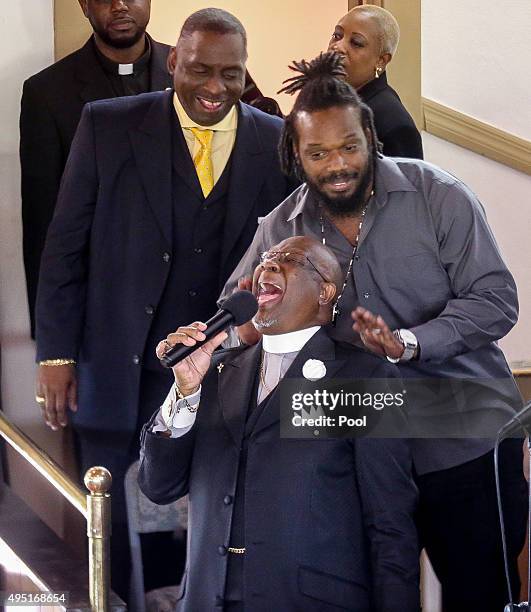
[{"x": 321, "y": 85}]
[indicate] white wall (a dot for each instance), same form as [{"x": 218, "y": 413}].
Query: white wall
[
  {"x": 475, "y": 58},
  {"x": 474, "y": 54},
  {"x": 26, "y": 46}
]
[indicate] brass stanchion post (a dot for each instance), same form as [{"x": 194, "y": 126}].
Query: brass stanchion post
[{"x": 98, "y": 481}]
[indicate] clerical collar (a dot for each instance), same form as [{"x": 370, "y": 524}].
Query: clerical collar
[
  {"x": 115, "y": 68},
  {"x": 227, "y": 124},
  {"x": 288, "y": 343}
]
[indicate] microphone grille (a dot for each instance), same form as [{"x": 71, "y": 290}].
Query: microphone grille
[{"x": 242, "y": 305}]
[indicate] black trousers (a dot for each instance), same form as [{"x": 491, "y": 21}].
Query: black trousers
[
  {"x": 460, "y": 529},
  {"x": 234, "y": 606},
  {"x": 163, "y": 556}
]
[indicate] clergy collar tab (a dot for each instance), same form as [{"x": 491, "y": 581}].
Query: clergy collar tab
[{"x": 288, "y": 343}]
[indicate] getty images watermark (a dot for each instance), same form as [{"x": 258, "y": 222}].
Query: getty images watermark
[
  {"x": 311, "y": 408},
  {"x": 395, "y": 408}
]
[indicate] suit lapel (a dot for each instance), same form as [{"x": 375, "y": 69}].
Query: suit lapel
[
  {"x": 235, "y": 385},
  {"x": 248, "y": 171},
  {"x": 94, "y": 84},
  {"x": 321, "y": 347},
  {"x": 151, "y": 143}
]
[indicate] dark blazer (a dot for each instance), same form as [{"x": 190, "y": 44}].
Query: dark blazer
[
  {"x": 106, "y": 261},
  {"x": 394, "y": 125},
  {"x": 51, "y": 106},
  {"x": 328, "y": 522}
]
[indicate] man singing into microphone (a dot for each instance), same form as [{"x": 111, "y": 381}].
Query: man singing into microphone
[{"x": 275, "y": 523}]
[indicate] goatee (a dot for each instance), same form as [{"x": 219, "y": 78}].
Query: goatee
[
  {"x": 120, "y": 43},
  {"x": 343, "y": 206}
]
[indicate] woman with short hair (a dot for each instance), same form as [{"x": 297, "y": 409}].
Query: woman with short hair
[{"x": 367, "y": 38}]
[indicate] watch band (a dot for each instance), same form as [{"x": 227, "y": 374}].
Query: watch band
[{"x": 409, "y": 341}]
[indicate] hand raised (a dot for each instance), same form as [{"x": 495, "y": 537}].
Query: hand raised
[
  {"x": 190, "y": 372},
  {"x": 375, "y": 334}
]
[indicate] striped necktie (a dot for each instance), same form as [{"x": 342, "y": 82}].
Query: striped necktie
[{"x": 203, "y": 160}]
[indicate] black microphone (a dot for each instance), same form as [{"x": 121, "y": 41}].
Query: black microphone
[
  {"x": 235, "y": 310},
  {"x": 521, "y": 420}
]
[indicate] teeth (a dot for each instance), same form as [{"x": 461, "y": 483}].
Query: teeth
[
  {"x": 262, "y": 286},
  {"x": 211, "y": 105}
]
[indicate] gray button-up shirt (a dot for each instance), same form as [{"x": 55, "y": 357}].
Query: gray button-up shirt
[{"x": 427, "y": 261}]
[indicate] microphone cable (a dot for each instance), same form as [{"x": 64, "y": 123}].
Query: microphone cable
[{"x": 511, "y": 606}]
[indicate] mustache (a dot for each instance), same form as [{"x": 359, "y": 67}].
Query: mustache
[{"x": 337, "y": 177}]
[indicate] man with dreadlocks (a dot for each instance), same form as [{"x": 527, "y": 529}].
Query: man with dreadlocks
[{"x": 415, "y": 247}]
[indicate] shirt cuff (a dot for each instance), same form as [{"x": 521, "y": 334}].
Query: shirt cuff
[{"x": 174, "y": 414}]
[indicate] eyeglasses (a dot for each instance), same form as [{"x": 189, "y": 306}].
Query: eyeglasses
[{"x": 281, "y": 257}]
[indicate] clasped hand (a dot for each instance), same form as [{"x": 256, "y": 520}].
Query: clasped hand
[{"x": 190, "y": 372}]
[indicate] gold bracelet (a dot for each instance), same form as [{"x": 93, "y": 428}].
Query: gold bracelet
[{"x": 57, "y": 362}]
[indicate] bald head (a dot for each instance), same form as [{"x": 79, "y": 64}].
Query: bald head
[
  {"x": 320, "y": 255},
  {"x": 295, "y": 285}
]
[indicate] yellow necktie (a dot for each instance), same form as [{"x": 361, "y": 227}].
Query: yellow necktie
[{"x": 203, "y": 160}]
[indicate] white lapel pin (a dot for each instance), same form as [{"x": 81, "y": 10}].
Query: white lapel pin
[
  {"x": 314, "y": 369},
  {"x": 220, "y": 367}
]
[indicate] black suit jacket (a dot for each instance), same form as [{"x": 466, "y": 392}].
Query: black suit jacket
[
  {"x": 328, "y": 522},
  {"x": 394, "y": 125},
  {"x": 51, "y": 106},
  {"x": 106, "y": 261}
]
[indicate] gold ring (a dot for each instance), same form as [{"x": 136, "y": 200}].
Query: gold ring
[{"x": 40, "y": 399}]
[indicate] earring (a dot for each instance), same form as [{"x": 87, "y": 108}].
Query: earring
[{"x": 377, "y": 72}]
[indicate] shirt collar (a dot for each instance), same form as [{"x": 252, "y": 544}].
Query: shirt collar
[
  {"x": 113, "y": 68},
  {"x": 389, "y": 178},
  {"x": 373, "y": 87},
  {"x": 288, "y": 343},
  {"x": 229, "y": 123}
]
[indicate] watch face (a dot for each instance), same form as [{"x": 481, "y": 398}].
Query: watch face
[{"x": 408, "y": 337}]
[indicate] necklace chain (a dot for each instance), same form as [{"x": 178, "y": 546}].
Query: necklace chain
[{"x": 336, "y": 311}]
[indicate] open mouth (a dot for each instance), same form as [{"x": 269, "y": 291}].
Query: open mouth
[
  {"x": 268, "y": 293},
  {"x": 209, "y": 105},
  {"x": 340, "y": 184}
]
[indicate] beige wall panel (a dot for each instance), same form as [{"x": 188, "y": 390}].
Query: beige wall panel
[
  {"x": 405, "y": 70},
  {"x": 279, "y": 31},
  {"x": 71, "y": 27}
]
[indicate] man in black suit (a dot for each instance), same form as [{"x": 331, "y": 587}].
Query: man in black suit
[
  {"x": 149, "y": 224},
  {"x": 119, "y": 59},
  {"x": 275, "y": 523}
]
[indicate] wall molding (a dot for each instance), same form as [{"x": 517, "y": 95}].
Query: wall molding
[{"x": 477, "y": 136}]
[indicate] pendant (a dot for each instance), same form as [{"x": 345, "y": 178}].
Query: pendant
[{"x": 335, "y": 314}]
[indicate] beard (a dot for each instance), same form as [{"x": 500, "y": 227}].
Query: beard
[
  {"x": 341, "y": 205},
  {"x": 263, "y": 323},
  {"x": 119, "y": 43}
]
